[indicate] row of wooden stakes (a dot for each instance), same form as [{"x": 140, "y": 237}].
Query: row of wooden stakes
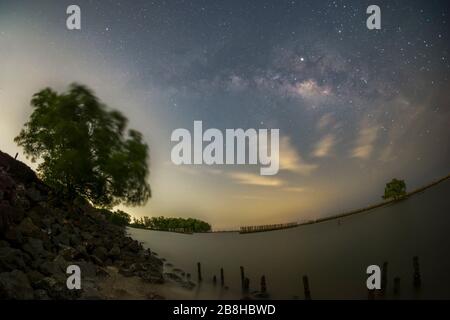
[{"x": 245, "y": 281}]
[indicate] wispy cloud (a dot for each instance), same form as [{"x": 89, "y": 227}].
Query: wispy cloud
[
  {"x": 325, "y": 121},
  {"x": 256, "y": 179},
  {"x": 291, "y": 160},
  {"x": 251, "y": 198},
  {"x": 193, "y": 169},
  {"x": 387, "y": 154},
  {"x": 294, "y": 189},
  {"x": 324, "y": 146},
  {"x": 365, "y": 141}
]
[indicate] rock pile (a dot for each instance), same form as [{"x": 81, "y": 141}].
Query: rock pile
[{"x": 41, "y": 234}]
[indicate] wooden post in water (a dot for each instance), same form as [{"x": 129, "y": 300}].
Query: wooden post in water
[
  {"x": 199, "y": 271},
  {"x": 396, "y": 286},
  {"x": 263, "y": 284},
  {"x": 222, "y": 277},
  {"x": 384, "y": 278},
  {"x": 306, "y": 288},
  {"x": 417, "y": 281},
  {"x": 371, "y": 294},
  {"x": 242, "y": 277},
  {"x": 214, "y": 280},
  {"x": 246, "y": 285}
]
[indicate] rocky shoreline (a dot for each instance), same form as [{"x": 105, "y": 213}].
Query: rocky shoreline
[{"x": 41, "y": 234}]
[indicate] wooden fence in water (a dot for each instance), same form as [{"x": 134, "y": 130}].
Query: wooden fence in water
[{"x": 267, "y": 227}]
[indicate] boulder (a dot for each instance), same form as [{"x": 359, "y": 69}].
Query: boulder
[
  {"x": 41, "y": 294},
  {"x": 7, "y": 213},
  {"x": 56, "y": 289},
  {"x": 15, "y": 285},
  {"x": 7, "y": 186},
  {"x": 62, "y": 239},
  {"x": 74, "y": 239},
  {"x": 61, "y": 263},
  {"x": 34, "y": 195},
  {"x": 35, "y": 248},
  {"x": 114, "y": 252},
  {"x": 14, "y": 237},
  {"x": 17, "y": 170},
  {"x": 86, "y": 236},
  {"x": 88, "y": 269},
  {"x": 11, "y": 259},
  {"x": 152, "y": 277},
  {"x": 101, "y": 253},
  {"x": 49, "y": 268},
  {"x": 173, "y": 276},
  {"x": 28, "y": 228},
  {"x": 96, "y": 260},
  {"x": 134, "y": 246},
  {"x": 70, "y": 253},
  {"x": 34, "y": 276}
]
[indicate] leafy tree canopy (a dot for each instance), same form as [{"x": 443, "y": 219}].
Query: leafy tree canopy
[
  {"x": 395, "y": 189},
  {"x": 117, "y": 217},
  {"x": 84, "y": 148}
]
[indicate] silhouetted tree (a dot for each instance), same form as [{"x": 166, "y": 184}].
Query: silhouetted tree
[
  {"x": 85, "y": 148},
  {"x": 395, "y": 189}
]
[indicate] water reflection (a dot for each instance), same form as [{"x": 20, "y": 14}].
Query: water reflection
[{"x": 333, "y": 254}]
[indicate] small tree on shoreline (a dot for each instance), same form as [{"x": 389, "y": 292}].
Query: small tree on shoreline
[{"x": 396, "y": 189}]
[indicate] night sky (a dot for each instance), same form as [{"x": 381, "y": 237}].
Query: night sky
[{"x": 355, "y": 107}]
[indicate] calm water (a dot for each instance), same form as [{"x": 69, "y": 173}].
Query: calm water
[{"x": 334, "y": 255}]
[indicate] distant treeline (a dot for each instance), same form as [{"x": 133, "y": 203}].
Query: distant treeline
[{"x": 188, "y": 225}]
